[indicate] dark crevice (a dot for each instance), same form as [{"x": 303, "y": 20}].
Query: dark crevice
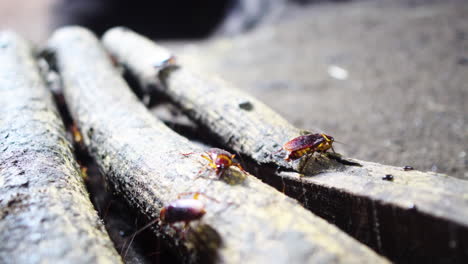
[
  {"x": 404, "y": 235},
  {"x": 122, "y": 222},
  {"x": 339, "y": 158}
]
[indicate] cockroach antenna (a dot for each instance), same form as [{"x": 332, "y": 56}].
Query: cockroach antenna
[
  {"x": 336, "y": 141},
  {"x": 134, "y": 235}
]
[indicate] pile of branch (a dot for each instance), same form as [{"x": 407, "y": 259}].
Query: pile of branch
[
  {"x": 45, "y": 212},
  {"x": 407, "y": 215},
  {"x": 144, "y": 161}
]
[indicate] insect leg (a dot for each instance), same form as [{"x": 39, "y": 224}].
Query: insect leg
[
  {"x": 288, "y": 156},
  {"x": 304, "y": 164},
  {"x": 193, "y": 194},
  {"x": 196, "y": 195},
  {"x": 208, "y": 158},
  {"x": 188, "y": 154},
  {"x": 240, "y": 167},
  {"x": 220, "y": 173},
  {"x": 175, "y": 228},
  {"x": 185, "y": 229},
  {"x": 277, "y": 151},
  {"x": 201, "y": 170}
]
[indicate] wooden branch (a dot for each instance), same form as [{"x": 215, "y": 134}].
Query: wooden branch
[
  {"x": 417, "y": 216},
  {"x": 142, "y": 158},
  {"x": 45, "y": 212}
]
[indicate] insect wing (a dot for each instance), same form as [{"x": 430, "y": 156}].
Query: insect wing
[
  {"x": 303, "y": 142},
  {"x": 184, "y": 210}
]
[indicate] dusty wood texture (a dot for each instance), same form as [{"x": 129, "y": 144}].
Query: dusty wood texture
[
  {"x": 235, "y": 117},
  {"x": 143, "y": 160},
  {"x": 45, "y": 212},
  {"x": 418, "y": 216}
]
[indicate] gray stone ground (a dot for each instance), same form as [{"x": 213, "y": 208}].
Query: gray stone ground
[{"x": 404, "y": 101}]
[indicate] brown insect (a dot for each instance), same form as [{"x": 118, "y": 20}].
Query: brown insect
[
  {"x": 220, "y": 160},
  {"x": 308, "y": 144},
  {"x": 183, "y": 210}
]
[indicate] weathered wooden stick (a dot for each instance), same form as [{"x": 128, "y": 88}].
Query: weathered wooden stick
[
  {"x": 235, "y": 117},
  {"x": 416, "y": 216},
  {"x": 143, "y": 159},
  {"x": 45, "y": 212}
]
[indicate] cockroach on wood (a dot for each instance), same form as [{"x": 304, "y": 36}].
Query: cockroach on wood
[
  {"x": 183, "y": 210},
  {"x": 220, "y": 160},
  {"x": 308, "y": 144}
]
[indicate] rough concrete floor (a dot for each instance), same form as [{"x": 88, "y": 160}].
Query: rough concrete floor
[{"x": 404, "y": 101}]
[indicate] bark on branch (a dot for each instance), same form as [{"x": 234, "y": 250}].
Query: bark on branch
[
  {"x": 45, "y": 212},
  {"x": 417, "y": 216},
  {"x": 142, "y": 158}
]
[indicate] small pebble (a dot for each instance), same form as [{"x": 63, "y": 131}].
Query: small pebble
[
  {"x": 408, "y": 168},
  {"x": 246, "y": 105},
  {"x": 388, "y": 177}
]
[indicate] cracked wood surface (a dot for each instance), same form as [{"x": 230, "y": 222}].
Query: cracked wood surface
[
  {"x": 143, "y": 161},
  {"x": 45, "y": 212},
  {"x": 417, "y": 216}
]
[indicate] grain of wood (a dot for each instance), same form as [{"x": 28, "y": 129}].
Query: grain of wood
[
  {"x": 45, "y": 212},
  {"x": 418, "y": 216},
  {"x": 143, "y": 160}
]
